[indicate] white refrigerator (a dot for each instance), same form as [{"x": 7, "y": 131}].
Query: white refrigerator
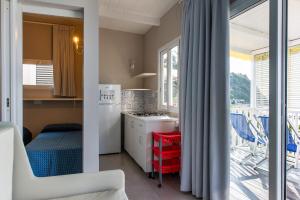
[{"x": 109, "y": 110}]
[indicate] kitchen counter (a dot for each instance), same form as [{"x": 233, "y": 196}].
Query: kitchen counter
[
  {"x": 152, "y": 118},
  {"x": 138, "y": 135}
]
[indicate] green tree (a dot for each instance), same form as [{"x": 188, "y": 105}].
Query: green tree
[{"x": 239, "y": 88}]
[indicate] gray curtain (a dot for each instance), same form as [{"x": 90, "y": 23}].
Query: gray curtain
[{"x": 204, "y": 98}]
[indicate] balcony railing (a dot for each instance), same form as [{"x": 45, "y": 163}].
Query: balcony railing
[{"x": 293, "y": 114}]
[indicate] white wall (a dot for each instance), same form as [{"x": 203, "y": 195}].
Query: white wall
[{"x": 6, "y": 167}]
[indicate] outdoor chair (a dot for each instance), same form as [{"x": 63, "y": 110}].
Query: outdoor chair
[
  {"x": 293, "y": 139},
  {"x": 248, "y": 133}
]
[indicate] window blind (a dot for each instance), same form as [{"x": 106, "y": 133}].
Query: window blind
[
  {"x": 293, "y": 79},
  {"x": 261, "y": 63},
  {"x": 44, "y": 74}
]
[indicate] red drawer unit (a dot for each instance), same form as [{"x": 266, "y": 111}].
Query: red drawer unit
[
  {"x": 168, "y": 166},
  {"x": 166, "y": 153}
]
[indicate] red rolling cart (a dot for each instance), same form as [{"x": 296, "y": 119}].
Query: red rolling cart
[{"x": 166, "y": 153}]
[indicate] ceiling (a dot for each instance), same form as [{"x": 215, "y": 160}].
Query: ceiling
[
  {"x": 135, "y": 16},
  {"x": 250, "y": 30}
]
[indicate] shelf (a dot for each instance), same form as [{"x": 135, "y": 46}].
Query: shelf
[
  {"x": 52, "y": 99},
  {"x": 145, "y": 75},
  {"x": 137, "y": 89}
]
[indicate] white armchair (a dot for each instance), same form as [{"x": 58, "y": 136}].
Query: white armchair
[{"x": 25, "y": 186}]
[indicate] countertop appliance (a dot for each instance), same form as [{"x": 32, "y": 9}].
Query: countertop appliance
[{"x": 109, "y": 110}]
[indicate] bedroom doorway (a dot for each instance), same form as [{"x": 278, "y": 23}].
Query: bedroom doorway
[
  {"x": 88, "y": 11},
  {"x": 42, "y": 105},
  {"x": 12, "y": 64},
  {"x": 53, "y": 93}
]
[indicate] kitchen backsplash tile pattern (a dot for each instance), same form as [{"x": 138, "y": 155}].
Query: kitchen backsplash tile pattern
[
  {"x": 139, "y": 101},
  {"x": 150, "y": 101},
  {"x": 132, "y": 101}
]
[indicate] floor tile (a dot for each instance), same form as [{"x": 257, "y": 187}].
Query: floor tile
[{"x": 138, "y": 185}]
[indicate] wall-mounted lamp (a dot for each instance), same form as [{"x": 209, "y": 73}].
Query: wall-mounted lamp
[
  {"x": 78, "y": 46},
  {"x": 76, "y": 41},
  {"x": 132, "y": 66}
]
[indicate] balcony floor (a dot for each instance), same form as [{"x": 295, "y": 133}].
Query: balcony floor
[{"x": 247, "y": 183}]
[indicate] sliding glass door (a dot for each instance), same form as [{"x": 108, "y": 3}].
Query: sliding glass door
[
  {"x": 249, "y": 108},
  {"x": 266, "y": 63}
]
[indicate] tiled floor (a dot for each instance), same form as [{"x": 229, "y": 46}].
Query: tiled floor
[
  {"x": 246, "y": 183},
  {"x": 138, "y": 185}
]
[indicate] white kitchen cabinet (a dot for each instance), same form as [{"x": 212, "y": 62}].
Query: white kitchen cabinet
[
  {"x": 140, "y": 144},
  {"x": 126, "y": 136},
  {"x": 129, "y": 137},
  {"x": 138, "y": 137}
]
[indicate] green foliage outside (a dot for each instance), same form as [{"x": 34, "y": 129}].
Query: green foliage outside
[{"x": 239, "y": 89}]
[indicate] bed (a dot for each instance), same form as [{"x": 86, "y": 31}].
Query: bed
[{"x": 57, "y": 150}]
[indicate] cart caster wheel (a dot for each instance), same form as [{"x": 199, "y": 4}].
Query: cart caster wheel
[
  {"x": 150, "y": 176},
  {"x": 159, "y": 185}
]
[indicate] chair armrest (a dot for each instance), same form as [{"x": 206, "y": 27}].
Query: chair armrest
[
  {"x": 257, "y": 132},
  {"x": 76, "y": 184}
]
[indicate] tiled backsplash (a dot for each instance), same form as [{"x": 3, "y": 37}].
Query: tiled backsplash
[
  {"x": 132, "y": 100},
  {"x": 139, "y": 101},
  {"x": 150, "y": 101}
]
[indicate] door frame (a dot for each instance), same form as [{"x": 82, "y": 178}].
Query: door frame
[
  {"x": 277, "y": 123},
  {"x": 90, "y": 71},
  {"x": 277, "y": 97},
  {"x": 5, "y": 60}
]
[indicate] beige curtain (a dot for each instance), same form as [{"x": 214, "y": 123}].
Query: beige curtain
[{"x": 63, "y": 61}]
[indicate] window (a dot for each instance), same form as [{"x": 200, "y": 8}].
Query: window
[
  {"x": 261, "y": 63},
  {"x": 38, "y": 74},
  {"x": 169, "y": 77},
  {"x": 293, "y": 74},
  {"x": 293, "y": 84}
]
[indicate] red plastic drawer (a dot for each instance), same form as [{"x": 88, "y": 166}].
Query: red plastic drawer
[
  {"x": 167, "y": 137},
  {"x": 168, "y": 166},
  {"x": 168, "y": 152}
]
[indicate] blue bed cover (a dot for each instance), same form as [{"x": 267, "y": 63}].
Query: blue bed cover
[{"x": 56, "y": 153}]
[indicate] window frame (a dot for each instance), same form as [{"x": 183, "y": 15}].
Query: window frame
[{"x": 167, "y": 49}]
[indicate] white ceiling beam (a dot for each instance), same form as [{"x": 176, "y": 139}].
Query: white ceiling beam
[
  {"x": 250, "y": 31},
  {"x": 239, "y": 49},
  {"x": 121, "y": 14}
]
